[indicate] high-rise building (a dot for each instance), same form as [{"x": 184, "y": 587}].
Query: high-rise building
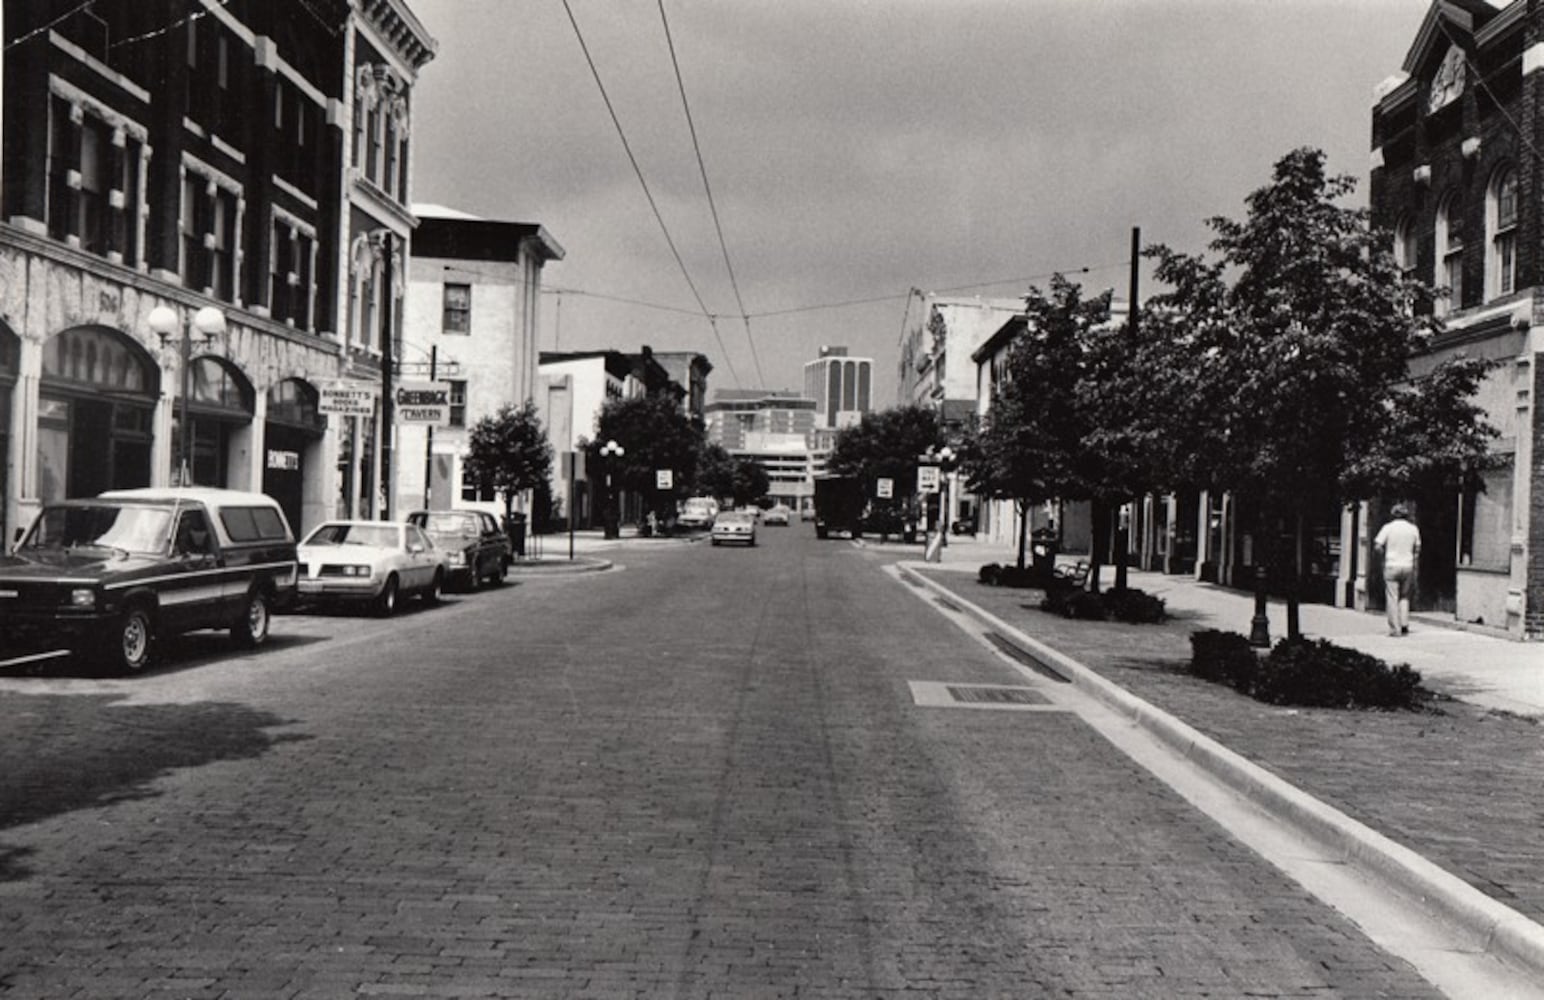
[{"x": 841, "y": 386}]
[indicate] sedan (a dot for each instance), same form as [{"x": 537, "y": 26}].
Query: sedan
[
  {"x": 778, "y": 514},
  {"x": 734, "y": 526},
  {"x": 370, "y": 562},
  {"x": 476, "y": 548}
]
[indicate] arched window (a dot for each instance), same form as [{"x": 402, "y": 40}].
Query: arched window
[
  {"x": 1404, "y": 245},
  {"x": 1450, "y": 254},
  {"x": 1501, "y": 226}
]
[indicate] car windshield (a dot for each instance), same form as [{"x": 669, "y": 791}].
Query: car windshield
[
  {"x": 382, "y": 535},
  {"x": 128, "y": 529},
  {"x": 446, "y": 522}
]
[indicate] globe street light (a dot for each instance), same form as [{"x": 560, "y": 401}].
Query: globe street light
[
  {"x": 944, "y": 459},
  {"x": 608, "y": 451},
  {"x": 168, "y": 322}
]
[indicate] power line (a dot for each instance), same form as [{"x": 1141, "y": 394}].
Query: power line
[
  {"x": 50, "y": 25},
  {"x": 638, "y": 172},
  {"x": 708, "y": 189},
  {"x": 168, "y": 27}
]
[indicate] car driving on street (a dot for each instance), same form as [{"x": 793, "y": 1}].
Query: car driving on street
[
  {"x": 777, "y": 514},
  {"x": 110, "y": 577},
  {"x": 734, "y": 527},
  {"x": 370, "y": 562}
]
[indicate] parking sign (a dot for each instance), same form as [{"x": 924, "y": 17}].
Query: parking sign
[{"x": 927, "y": 479}]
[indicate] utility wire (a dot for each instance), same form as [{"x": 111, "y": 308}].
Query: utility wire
[
  {"x": 169, "y": 27},
  {"x": 638, "y": 171},
  {"x": 708, "y": 189},
  {"x": 1479, "y": 81},
  {"x": 50, "y": 25}
]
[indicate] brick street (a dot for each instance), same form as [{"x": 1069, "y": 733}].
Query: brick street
[{"x": 699, "y": 775}]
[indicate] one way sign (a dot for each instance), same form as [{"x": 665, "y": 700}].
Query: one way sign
[{"x": 423, "y": 403}]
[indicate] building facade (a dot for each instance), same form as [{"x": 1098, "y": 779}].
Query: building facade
[
  {"x": 469, "y": 321},
  {"x": 841, "y": 386},
  {"x": 1455, "y": 180},
  {"x": 773, "y": 428},
  {"x": 186, "y": 154}
]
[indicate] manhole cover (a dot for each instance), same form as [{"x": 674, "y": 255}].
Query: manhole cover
[{"x": 982, "y": 695}]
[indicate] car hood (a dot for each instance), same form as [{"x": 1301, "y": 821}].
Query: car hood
[{"x": 50, "y": 564}]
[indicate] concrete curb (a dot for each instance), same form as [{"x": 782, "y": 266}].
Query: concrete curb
[
  {"x": 1504, "y": 932},
  {"x": 580, "y": 564}
]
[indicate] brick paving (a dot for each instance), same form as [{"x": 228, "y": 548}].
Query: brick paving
[
  {"x": 702, "y": 776},
  {"x": 1458, "y": 785}
]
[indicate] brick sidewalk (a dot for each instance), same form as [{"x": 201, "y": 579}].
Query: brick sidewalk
[{"x": 1458, "y": 786}]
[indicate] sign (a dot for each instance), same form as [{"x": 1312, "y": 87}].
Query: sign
[
  {"x": 927, "y": 479},
  {"x": 423, "y": 403},
  {"x": 664, "y": 479},
  {"x": 288, "y": 460},
  {"x": 346, "y": 399},
  {"x": 573, "y": 466},
  {"x": 884, "y": 489}
]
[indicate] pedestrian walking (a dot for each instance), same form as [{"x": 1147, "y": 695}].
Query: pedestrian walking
[{"x": 1399, "y": 543}]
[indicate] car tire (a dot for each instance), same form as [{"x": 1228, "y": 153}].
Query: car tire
[
  {"x": 386, "y": 603},
  {"x": 130, "y": 646},
  {"x": 436, "y": 589},
  {"x": 250, "y": 629}
]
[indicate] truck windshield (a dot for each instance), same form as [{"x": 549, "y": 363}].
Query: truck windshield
[{"x": 130, "y": 529}]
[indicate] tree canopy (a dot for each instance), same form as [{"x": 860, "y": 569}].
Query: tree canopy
[
  {"x": 725, "y": 476},
  {"x": 509, "y": 451},
  {"x": 655, "y": 434},
  {"x": 886, "y": 444}
]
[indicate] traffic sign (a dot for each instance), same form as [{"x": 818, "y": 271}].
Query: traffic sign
[
  {"x": 884, "y": 489},
  {"x": 927, "y": 479}
]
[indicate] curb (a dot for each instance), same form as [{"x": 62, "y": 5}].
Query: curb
[
  {"x": 580, "y": 564},
  {"x": 1504, "y": 933}
]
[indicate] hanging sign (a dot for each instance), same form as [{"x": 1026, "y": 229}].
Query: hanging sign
[
  {"x": 423, "y": 403},
  {"x": 345, "y": 398}
]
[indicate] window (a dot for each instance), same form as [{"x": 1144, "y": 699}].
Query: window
[
  {"x": 1501, "y": 217},
  {"x": 223, "y": 252},
  {"x": 1485, "y": 535},
  {"x": 458, "y": 309},
  {"x": 457, "y": 402},
  {"x": 290, "y": 293},
  {"x": 1450, "y": 254},
  {"x": 1404, "y": 245},
  {"x": 192, "y": 225}
]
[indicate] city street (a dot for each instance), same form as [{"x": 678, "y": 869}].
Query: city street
[{"x": 702, "y": 773}]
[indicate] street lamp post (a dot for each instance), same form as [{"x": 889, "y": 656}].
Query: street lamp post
[
  {"x": 609, "y": 451},
  {"x": 944, "y": 459},
  {"x": 167, "y": 323}
]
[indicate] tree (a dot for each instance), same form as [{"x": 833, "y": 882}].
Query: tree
[
  {"x": 508, "y": 451},
  {"x": 887, "y": 444},
  {"x": 655, "y": 435},
  {"x": 1055, "y": 429},
  {"x": 1292, "y": 385},
  {"x": 725, "y": 476}
]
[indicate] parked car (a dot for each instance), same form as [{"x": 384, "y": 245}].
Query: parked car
[
  {"x": 371, "y": 562},
  {"x": 777, "y": 514},
  {"x": 111, "y": 577},
  {"x": 697, "y": 513},
  {"x": 734, "y": 526},
  {"x": 475, "y": 547}
]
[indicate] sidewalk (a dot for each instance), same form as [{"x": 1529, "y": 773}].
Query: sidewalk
[
  {"x": 550, "y": 553},
  {"x": 1458, "y": 786},
  {"x": 1476, "y": 667}
]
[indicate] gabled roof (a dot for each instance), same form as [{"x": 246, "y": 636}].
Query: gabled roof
[{"x": 1459, "y": 17}]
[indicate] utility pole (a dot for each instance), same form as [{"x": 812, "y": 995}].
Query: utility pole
[
  {"x": 434, "y": 356},
  {"x": 388, "y": 414},
  {"x": 1123, "y": 520}
]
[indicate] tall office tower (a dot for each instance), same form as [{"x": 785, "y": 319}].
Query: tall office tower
[{"x": 841, "y": 387}]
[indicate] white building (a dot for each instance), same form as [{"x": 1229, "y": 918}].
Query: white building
[{"x": 469, "y": 321}]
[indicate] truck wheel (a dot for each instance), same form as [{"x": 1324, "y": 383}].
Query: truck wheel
[
  {"x": 250, "y": 629},
  {"x": 130, "y": 645}
]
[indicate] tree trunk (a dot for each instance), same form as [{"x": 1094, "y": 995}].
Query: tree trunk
[
  {"x": 1122, "y": 546},
  {"x": 1295, "y": 582},
  {"x": 1023, "y": 529},
  {"x": 1099, "y": 512}
]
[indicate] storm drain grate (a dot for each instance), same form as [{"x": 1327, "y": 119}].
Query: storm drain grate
[
  {"x": 980, "y": 695},
  {"x": 946, "y": 603},
  {"x": 1019, "y": 655}
]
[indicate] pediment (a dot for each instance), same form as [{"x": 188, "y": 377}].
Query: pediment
[{"x": 1447, "y": 22}]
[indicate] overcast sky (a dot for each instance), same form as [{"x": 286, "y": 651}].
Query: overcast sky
[{"x": 857, "y": 149}]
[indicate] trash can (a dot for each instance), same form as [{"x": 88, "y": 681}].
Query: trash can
[{"x": 516, "y": 528}]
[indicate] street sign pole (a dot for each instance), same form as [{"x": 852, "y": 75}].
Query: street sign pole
[{"x": 434, "y": 355}]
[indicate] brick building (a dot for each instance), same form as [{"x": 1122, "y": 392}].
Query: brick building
[
  {"x": 1458, "y": 179},
  {"x": 184, "y": 154}
]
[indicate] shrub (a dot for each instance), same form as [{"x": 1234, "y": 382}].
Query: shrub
[
  {"x": 998, "y": 575},
  {"x": 1137, "y": 607},
  {"x": 1224, "y": 658},
  {"x": 1323, "y": 675},
  {"x": 1065, "y": 598},
  {"x": 988, "y": 574}
]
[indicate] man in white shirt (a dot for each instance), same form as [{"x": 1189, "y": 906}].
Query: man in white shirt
[{"x": 1399, "y": 543}]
